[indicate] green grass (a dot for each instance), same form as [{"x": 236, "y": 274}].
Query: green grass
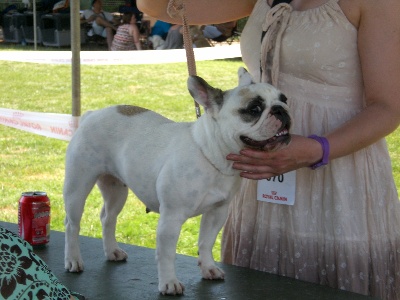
[{"x": 32, "y": 162}]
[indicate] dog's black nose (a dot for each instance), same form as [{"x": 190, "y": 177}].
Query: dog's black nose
[{"x": 277, "y": 110}]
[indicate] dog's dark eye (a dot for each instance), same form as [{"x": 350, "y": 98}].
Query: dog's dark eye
[
  {"x": 255, "y": 110},
  {"x": 256, "y": 107}
]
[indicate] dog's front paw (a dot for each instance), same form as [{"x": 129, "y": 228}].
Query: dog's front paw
[
  {"x": 212, "y": 272},
  {"x": 73, "y": 261},
  {"x": 171, "y": 287},
  {"x": 73, "y": 265},
  {"x": 117, "y": 255}
]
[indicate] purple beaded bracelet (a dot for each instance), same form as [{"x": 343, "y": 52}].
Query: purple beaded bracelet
[{"x": 325, "y": 151}]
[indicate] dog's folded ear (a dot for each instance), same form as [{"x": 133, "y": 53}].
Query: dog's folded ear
[
  {"x": 204, "y": 94},
  {"x": 244, "y": 77}
]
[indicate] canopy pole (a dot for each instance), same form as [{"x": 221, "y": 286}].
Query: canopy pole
[
  {"x": 34, "y": 25},
  {"x": 75, "y": 59}
]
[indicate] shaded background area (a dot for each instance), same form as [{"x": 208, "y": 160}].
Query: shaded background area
[{"x": 16, "y": 24}]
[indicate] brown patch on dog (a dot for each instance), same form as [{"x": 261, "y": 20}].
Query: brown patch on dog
[
  {"x": 130, "y": 110},
  {"x": 245, "y": 93}
]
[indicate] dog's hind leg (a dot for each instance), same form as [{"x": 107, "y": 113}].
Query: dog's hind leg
[
  {"x": 77, "y": 187},
  {"x": 115, "y": 193}
]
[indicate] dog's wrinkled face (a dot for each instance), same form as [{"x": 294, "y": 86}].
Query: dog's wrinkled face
[
  {"x": 253, "y": 114},
  {"x": 264, "y": 116}
]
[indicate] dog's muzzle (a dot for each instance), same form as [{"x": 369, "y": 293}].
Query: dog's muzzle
[{"x": 282, "y": 137}]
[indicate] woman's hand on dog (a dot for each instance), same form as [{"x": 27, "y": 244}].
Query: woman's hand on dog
[{"x": 259, "y": 164}]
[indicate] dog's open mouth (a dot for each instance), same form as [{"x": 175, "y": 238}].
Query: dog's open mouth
[{"x": 282, "y": 137}]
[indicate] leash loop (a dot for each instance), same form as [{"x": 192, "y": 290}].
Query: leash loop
[{"x": 176, "y": 9}]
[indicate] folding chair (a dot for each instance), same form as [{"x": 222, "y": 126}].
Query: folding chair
[{"x": 226, "y": 39}]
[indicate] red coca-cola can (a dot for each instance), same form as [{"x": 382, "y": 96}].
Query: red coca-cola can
[{"x": 34, "y": 218}]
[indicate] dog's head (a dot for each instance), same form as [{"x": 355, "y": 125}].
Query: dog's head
[{"x": 254, "y": 114}]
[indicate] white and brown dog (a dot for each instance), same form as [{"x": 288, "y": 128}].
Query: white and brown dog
[{"x": 179, "y": 170}]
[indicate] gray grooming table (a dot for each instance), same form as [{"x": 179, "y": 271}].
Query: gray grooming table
[{"x": 137, "y": 277}]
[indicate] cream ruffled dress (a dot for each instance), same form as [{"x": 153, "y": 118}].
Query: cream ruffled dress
[{"x": 344, "y": 228}]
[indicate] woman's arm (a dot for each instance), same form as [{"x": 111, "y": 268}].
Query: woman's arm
[
  {"x": 379, "y": 48},
  {"x": 200, "y": 11}
]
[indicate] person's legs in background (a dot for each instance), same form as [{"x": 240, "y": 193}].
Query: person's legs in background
[
  {"x": 104, "y": 29},
  {"x": 211, "y": 32}
]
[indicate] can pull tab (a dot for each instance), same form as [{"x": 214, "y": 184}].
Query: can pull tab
[
  {"x": 34, "y": 193},
  {"x": 37, "y": 193}
]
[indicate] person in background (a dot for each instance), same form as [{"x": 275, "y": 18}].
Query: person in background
[
  {"x": 219, "y": 31},
  {"x": 338, "y": 64},
  {"x": 159, "y": 33},
  {"x": 174, "y": 38},
  {"x": 199, "y": 41},
  {"x": 102, "y": 22},
  {"x": 127, "y": 36}
]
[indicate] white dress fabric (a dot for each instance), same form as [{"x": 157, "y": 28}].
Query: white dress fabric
[{"x": 344, "y": 228}]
